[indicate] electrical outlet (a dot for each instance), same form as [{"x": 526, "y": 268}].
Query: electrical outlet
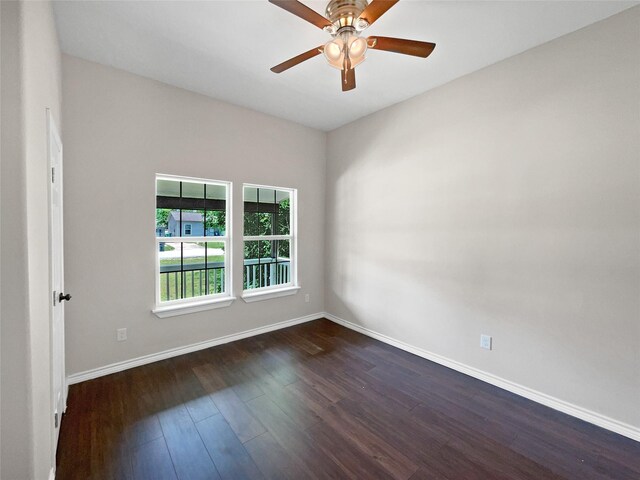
[
  {"x": 307, "y": 297},
  {"x": 121, "y": 334},
  {"x": 485, "y": 341}
]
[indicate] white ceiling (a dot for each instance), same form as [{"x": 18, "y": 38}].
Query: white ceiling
[{"x": 224, "y": 49}]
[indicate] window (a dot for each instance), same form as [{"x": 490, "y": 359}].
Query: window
[
  {"x": 269, "y": 240},
  {"x": 192, "y": 267}
]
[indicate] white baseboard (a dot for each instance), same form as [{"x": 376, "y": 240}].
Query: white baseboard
[
  {"x": 174, "y": 352},
  {"x": 52, "y": 473},
  {"x": 539, "y": 397}
]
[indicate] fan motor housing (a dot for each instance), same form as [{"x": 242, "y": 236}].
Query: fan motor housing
[{"x": 343, "y": 13}]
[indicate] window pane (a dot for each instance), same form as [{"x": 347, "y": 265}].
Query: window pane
[
  {"x": 193, "y": 256},
  {"x": 173, "y": 223},
  {"x": 262, "y": 268},
  {"x": 215, "y": 254},
  {"x": 192, "y": 223},
  {"x": 251, "y": 260},
  {"x": 162, "y": 222},
  {"x": 170, "y": 275},
  {"x": 250, "y": 194},
  {"x": 168, "y": 193},
  {"x": 283, "y": 267},
  {"x": 267, "y": 195},
  {"x": 253, "y": 223},
  {"x": 215, "y": 204},
  {"x": 267, "y": 211},
  {"x": 283, "y": 250},
  {"x": 251, "y": 251},
  {"x": 192, "y": 190},
  {"x": 216, "y": 192},
  {"x": 216, "y": 280},
  {"x": 256, "y": 223},
  {"x": 194, "y": 270},
  {"x": 215, "y": 267},
  {"x": 283, "y": 213},
  {"x": 216, "y": 223},
  {"x": 168, "y": 188},
  {"x": 185, "y": 271},
  {"x": 266, "y": 251}
]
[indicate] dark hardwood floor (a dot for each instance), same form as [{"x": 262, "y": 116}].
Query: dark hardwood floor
[{"x": 320, "y": 401}]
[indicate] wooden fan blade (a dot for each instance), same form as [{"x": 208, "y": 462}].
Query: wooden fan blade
[
  {"x": 302, "y": 11},
  {"x": 292, "y": 62},
  {"x": 398, "y": 45},
  {"x": 348, "y": 79},
  {"x": 376, "y": 9}
]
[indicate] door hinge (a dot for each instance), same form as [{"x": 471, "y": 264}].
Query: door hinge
[
  {"x": 53, "y": 174},
  {"x": 54, "y": 298},
  {"x": 55, "y": 419}
]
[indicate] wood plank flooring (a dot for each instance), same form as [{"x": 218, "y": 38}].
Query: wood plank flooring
[{"x": 320, "y": 401}]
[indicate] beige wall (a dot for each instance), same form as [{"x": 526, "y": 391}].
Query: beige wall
[
  {"x": 14, "y": 438},
  {"x": 506, "y": 202},
  {"x": 119, "y": 131},
  {"x": 32, "y": 74}
]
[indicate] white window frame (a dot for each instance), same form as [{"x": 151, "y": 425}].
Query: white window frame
[
  {"x": 204, "y": 302},
  {"x": 187, "y": 225},
  {"x": 283, "y": 289}
]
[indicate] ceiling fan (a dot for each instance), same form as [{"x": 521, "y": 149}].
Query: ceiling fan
[{"x": 345, "y": 20}]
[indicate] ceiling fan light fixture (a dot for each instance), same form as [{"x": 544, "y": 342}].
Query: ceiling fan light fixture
[
  {"x": 361, "y": 24},
  {"x": 355, "y": 63},
  {"x": 334, "y": 52},
  {"x": 357, "y": 48},
  {"x": 345, "y": 21},
  {"x": 344, "y": 13},
  {"x": 330, "y": 29}
]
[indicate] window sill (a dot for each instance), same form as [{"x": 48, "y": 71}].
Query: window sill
[
  {"x": 266, "y": 295},
  {"x": 192, "y": 307}
]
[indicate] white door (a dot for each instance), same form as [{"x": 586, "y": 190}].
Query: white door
[{"x": 58, "y": 382}]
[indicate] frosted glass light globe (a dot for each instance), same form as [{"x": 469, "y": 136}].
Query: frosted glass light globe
[
  {"x": 357, "y": 48},
  {"x": 333, "y": 52}
]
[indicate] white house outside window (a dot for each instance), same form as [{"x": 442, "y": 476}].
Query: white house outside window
[
  {"x": 270, "y": 241},
  {"x": 193, "y": 264}
]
